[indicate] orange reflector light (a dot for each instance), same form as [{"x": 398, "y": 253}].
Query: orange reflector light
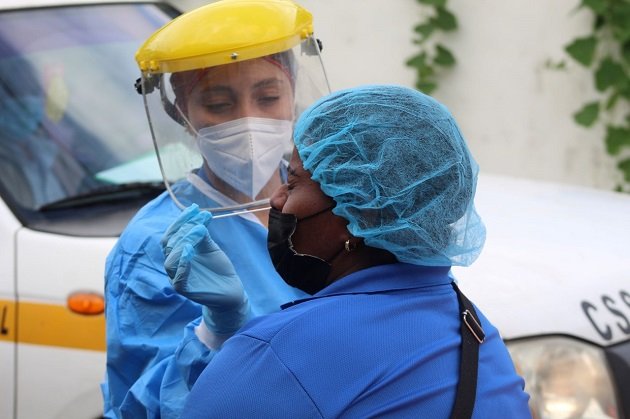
[{"x": 89, "y": 303}]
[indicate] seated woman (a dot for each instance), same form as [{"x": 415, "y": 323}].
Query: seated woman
[{"x": 377, "y": 208}]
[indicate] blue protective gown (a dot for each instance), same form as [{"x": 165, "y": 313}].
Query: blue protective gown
[
  {"x": 382, "y": 342},
  {"x": 153, "y": 353}
]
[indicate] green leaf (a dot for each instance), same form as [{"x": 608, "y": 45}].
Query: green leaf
[
  {"x": 418, "y": 60},
  {"x": 620, "y": 20},
  {"x": 597, "y": 6},
  {"x": 439, "y": 3},
  {"x": 421, "y": 64},
  {"x": 599, "y": 22},
  {"x": 445, "y": 20},
  {"x": 612, "y": 100},
  {"x": 624, "y": 166},
  {"x": 582, "y": 50},
  {"x": 625, "y": 52},
  {"x": 424, "y": 29},
  {"x": 444, "y": 56},
  {"x": 425, "y": 71},
  {"x": 587, "y": 115},
  {"x": 426, "y": 86},
  {"x": 610, "y": 73},
  {"x": 616, "y": 139}
]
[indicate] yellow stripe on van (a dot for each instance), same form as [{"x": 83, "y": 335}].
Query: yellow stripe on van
[
  {"x": 52, "y": 325},
  {"x": 7, "y": 320}
]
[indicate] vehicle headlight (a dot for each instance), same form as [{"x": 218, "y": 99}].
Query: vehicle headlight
[{"x": 565, "y": 378}]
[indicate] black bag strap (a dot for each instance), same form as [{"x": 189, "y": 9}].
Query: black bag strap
[{"x": 472, "y": 337}]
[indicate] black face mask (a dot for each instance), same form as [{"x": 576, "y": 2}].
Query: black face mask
[{"x": 305, "y": 272}]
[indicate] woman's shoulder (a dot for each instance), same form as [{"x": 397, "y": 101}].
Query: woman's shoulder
[
  {"x": 319, "y": 316},
  {"x": 152, "y": 220}
]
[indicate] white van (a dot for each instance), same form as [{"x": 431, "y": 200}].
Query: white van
[
  {"x": 554, "y": 277},
  {"x": 77, "y": 162}
]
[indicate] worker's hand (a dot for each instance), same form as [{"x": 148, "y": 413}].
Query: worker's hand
[
  {"x": 189, "y": 218},
  {"x": 201, "y": 271}
]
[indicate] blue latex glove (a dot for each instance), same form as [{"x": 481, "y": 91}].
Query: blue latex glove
[
  {"x": 199, "y": 270},
  {"x": 189, "y": 218}
]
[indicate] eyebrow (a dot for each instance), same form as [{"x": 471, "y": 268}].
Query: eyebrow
[
  {"x": 229, "y": 90},
  {"x": 216, "y": 89},
  {"x": 268, "y": 82}
]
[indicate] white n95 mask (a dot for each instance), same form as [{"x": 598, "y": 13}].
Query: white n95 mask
[{"x": 246, "y": 152}]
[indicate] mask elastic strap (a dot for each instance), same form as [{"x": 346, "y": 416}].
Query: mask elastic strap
[{"x": 314, "y": 215}]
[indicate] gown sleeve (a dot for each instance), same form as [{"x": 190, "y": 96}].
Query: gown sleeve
[{"x": 153, "y": 354}]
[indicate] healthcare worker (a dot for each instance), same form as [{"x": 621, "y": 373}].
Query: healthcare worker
[
  {"x": 222, "y": 85},
  {"x": 377, "y": 208}
]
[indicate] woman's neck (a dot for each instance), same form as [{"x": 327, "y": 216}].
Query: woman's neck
[{"x": 358, "y": 259}]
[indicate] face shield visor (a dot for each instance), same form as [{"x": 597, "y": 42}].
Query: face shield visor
[{"x": 222, "y": 123}]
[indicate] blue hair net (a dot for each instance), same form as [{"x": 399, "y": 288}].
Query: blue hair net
[{"x": 396, "y": 164}]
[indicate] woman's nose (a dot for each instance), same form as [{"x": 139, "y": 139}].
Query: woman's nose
[
  {"x": 279, "y": 197},
  {"x": 245, "y": 109}
]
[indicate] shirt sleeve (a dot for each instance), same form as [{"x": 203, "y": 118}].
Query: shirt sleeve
[
  {"x": 247, "y": 379},
  {"x": 153, "y": 353}
]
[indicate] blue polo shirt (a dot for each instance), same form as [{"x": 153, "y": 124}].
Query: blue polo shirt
[{"x": 382, "y": 342}]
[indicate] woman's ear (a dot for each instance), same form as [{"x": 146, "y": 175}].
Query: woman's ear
[
  {"x": 352, "y": 243},
  {"x": 350, "y": 246}
]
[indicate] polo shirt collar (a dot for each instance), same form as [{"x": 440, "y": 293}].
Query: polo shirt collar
[{"x": 392, "y": 277}]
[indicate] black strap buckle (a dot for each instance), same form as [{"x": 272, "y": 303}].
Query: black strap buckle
[{"x": 474, "y": 327}]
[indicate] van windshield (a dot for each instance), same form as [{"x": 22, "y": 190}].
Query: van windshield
[{"x": 71, "y": 122}]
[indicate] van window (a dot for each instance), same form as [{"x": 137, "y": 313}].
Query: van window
[{"x": 72, "y": 127}]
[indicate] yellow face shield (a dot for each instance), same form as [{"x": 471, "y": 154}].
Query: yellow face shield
[
  {"x": 225, "y": 32},
  {"x": 222, "y": 86}
]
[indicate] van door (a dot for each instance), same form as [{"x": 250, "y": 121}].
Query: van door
[
  {"x": 9, "y": 225},
  {"x": 76, "y": 162},
  {"x": 61, "y": 348}
]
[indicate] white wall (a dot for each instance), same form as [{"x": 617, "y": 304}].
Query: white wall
[{"x": 515, "y": 112}]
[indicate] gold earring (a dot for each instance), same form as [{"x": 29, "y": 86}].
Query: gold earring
[{"x": 350, "y": 246}]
